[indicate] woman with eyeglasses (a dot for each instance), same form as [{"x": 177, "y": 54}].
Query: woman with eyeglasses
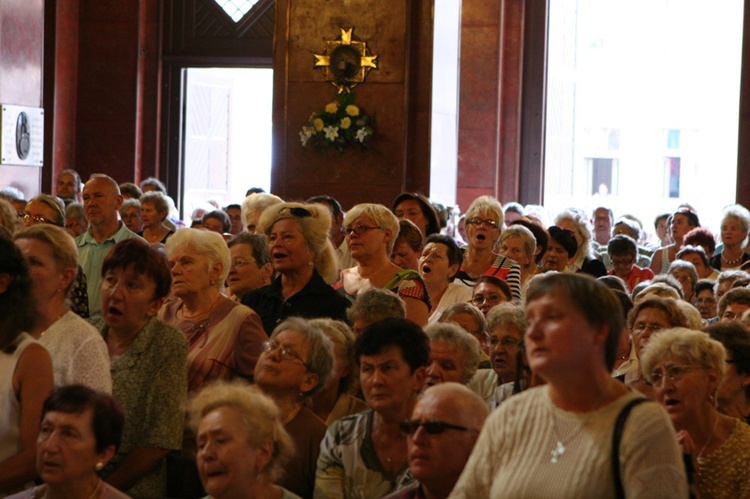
[
  {"x": 488, "y": 292},
  {"x": 250, "y": 267},
  {"x": 686, "y": 369},
  {"x": 225, "y": 337},
  {"x": 371, "y": 231},
  {"x": 305, "y": 263},
  {"x": 556, "y": 440},
  {"x": 484, "y": 221},
  {"x": 297, "y": 361},
  {"x": 650, "y": 315},
  {"x": 79, "y": 354},
  {"x": 438, "y": 265},
  {"x": 623, "y": 253}
]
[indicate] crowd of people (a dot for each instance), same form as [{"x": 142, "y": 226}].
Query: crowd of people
[{"x": 284, "y": 349}]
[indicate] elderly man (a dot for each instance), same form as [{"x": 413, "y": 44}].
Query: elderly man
[
  {"x": 454, "y": 355},
  {"x": 374, "y": 305},
  {"x": 101, "y": 202},
  {"x": 441, "y": 438},
  {"x": 602, "y": 220}
]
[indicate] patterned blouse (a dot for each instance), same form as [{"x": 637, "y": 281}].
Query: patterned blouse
[
  {"x": 406, "y": 284},
  {"x": 725, "y": 472}
]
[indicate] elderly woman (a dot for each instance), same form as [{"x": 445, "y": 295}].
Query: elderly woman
[
  {"x": 518, "y": 243},
  {"x": 650, "y": 315},
  {"x": 623, "y": 254},
  {"x": 506, "y": 324},
  {"x": 561, "y": 247},
  {"x": 76, "y": 222},
  {"x": 305, "y": 262},
  {"x": 686, "y": 369},
  {"x": 418, "y": 209},
  {"x": 80, "y": 432},
  {"x": 154, "y": 212},
  {"x": 252, "y": 209},
  {"x": 374, "y": 305},
  {"x": 337, "y": 399},
  {"x": 79, "y": 354},
  {"x": 25, "y": 371},
  {"x": 242, "y": 444},
  {"x": 438, "y": 265},
  {"x": 733, "y": 398},
  {"x": 705, "y": 300},
  {"x": 217, "y": 221},
  {"x": 682, "y": 221},
  {"x": 225, "y": 337},
  {"x": 686, "y": 275},
  {"x": 701, "y": 237},
  {"x": 488, "y": 292},
  {"x": 371, "y": 231},
  {"x": 296, "y": 363},
  {"x": 149, "y": 366},
  {"x": 584, "y": 260},
  {"x": 44, "y": 209},
  {"x": 250, "y": 266},
  {"x": 733, "y": 304},
  {"x": 697, "y": 256},
  {"x": 9, "y": 217},
  {"x": 735, "y": 224},
  {"x": 473, "y": 321},
  {"x": 484, "y": 221},
  {"x": 408, "y": 246},
  {"x": 454, "y": 355},
  {"x": 573, "y": 328},
  {"x": 130, "y": 213},
  {"x": 365, "y": 455}
]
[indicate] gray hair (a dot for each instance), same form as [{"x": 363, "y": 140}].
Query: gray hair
[
  {"x": 507, "y": 313},
  {"x": 258, "y": 244},
  {"x": 695, "y": 347},
  {"x": 206, "y": 243},
  {"x": 685, "y": 265},
  {"x": 130, "y": 203},
  {"x": 342, "y": 338},
  {"x": 320, "y": 360},
  {"x": 158, "y": 200},
  {"x": 582, "y": 228},
  {"x": 314, "y": 229},
  {"x": 380, "y": 216},
  {"x": 465, "y": 308},
  {"x": 76, "y": 211},
  {"x": 454, "y": 335},
  {"x": 730, "y": 275},
  {"x": 376, "y": 304},
  {"x": 260, "y": 418},
  {"x": 739, "y": 213}
]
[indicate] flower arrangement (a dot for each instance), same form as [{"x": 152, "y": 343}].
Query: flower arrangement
[{"x": 338, "y": 124}]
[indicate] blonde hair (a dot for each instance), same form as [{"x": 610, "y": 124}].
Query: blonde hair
[
  {"x": 487, "y": 204},
  {"x": 314, "y": 229},
  {"x": 380, "y": 216},
  {"x": 695, "y": 347},
  {"x": 259, "y": 415},
  {"x": 64, "y": 250}
]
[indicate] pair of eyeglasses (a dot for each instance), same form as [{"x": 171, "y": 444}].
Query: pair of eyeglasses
[
  {"x": 286, "y": 352},
  {"x": 296, "y": 211},
  {"x": 358, "y": 229},
  {"x": 491, "y": 299},
  {"x": 506, "y": 341},
  {"x": 478, "y": 222},
  {"x": 37, "y": 219},
  {"x": 431, "y": 426},
  {"x": 641, "y": 328},
  {"x": 238, "y": 264},
  {"x": 674, "y": 373}
]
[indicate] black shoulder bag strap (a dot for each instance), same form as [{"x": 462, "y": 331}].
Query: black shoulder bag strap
[{"x": 616, "y": 437}]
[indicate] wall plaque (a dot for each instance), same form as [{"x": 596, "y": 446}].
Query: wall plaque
[{"x": 21, "y": 135}]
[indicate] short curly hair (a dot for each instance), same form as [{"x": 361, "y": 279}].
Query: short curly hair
[
  {"x": 454, "y": 335},
  {"x": 259, "y": 414},
  {"x": 669, "y": 306},
  {"x": 694, "y": 347}
]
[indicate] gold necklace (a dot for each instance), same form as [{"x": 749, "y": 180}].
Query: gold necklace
[
  {"x": 701, "y": 460},
  {"x": 53, "y": 323}
]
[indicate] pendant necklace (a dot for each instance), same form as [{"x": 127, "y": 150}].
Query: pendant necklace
[{"x": 560, "y": 446}]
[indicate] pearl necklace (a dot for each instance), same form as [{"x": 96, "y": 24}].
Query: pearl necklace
[{"x": 734, "y": 262}]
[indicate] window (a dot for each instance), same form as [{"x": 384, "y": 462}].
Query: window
[{"x": 236, "y": 9}]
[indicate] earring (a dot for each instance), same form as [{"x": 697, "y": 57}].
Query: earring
[{"x": 99, "y": 466}]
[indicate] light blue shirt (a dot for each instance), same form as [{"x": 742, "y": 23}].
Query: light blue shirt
[{"x": 92, "y": 254}]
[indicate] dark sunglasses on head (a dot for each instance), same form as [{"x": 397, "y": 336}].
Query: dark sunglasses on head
[
  {"x": 296, "y": 211},
  {"x": 431, "y": 426}
]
